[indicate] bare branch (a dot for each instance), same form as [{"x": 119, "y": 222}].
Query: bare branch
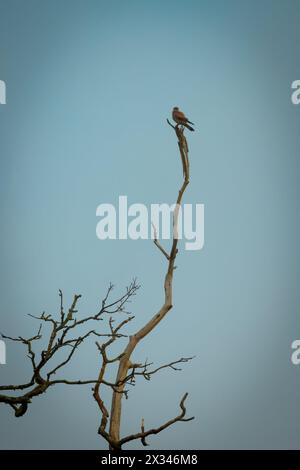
[
  {"x": 58, "y": 340},
  {"x": 142, "y": 435},
  {"x": 62, "y": 313},
  {"x": 147, "y": 374},
  {"x": 170, "y": 124}
]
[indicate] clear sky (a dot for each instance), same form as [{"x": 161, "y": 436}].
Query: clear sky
[{"x": 89, "y": 87}]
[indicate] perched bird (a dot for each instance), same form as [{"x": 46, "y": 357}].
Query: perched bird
[{"x": 181, "y": 119}]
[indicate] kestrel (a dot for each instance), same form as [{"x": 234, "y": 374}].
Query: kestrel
[{"x": 180, "y": 118}]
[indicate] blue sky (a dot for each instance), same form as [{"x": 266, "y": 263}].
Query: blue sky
[{"x": 89, "y": 87}]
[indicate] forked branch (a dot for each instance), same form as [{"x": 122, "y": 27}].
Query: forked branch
[{"x": 143, "y": 434}]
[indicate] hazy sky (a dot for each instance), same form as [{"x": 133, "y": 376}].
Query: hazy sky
[{"x": 90, "y": 84}]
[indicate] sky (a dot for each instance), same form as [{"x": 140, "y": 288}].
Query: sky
[{"x": 89, "y": 87}]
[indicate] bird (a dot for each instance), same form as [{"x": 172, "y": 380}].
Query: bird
[{"x": 180, "y": 118}]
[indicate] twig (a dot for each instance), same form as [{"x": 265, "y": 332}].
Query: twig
[{"x": 156, "y": 242}]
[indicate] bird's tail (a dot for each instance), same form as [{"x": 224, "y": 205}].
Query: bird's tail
[
  {"x": 189, "y": 127},
  {"x": 190, "y": 122}
]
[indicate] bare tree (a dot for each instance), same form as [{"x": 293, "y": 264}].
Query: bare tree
[{"x": 64, "y": 336}]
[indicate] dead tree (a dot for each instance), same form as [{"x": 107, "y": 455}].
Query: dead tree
[{"x": 63, "y": 335}]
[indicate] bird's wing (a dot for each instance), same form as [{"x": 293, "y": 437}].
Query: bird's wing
[{"x": 180, "y": 115}]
